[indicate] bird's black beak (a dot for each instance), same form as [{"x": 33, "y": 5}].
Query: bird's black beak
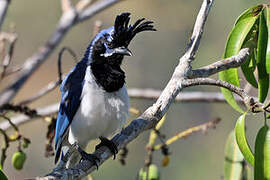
[{"x": 123, "y": 50}]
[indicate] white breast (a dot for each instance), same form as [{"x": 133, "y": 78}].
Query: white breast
[{"x": 100, "y": 113}]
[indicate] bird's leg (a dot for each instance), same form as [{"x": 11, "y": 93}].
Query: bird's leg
[
  {"x": 85, "y": 156},
  {"x": 109, "y": 144},
  {"x": 66, "y": 154}
]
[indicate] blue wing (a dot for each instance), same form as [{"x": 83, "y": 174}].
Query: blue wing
[{"x": 71, "y": 90}]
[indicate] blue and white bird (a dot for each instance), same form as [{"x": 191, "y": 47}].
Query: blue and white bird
[{"x": 94, "y": 100}]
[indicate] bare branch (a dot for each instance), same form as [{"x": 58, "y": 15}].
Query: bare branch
[
  {"x": 196, "y": 96},
  {"x": 214, "y": 82},
  {"x": 133, "y": 93},
  {"x": 197, "y": 31},
  {"x": 11, "y": 37},
  {"x": 73, "y": 54},
  {"x": 21, "y": 119},
  {"x": 67, "y": 21},
  {"x": 66, "y": 5},
  {"x": 3, "y": 10},
  {"x": 95, "y": 8},
  {"x": 151, "y": 116},
  {"x": 188, "y": 132},
  {"x": 82, "y": 4},
  {"x": 251, "y": 102},
  {"x": 5, "y": 147},
  {"x": 10, "y": 122},
  {"x": 12, "y": 70},
  {"x": 232, "y": 62},
  {"x": 50, "y": 87}
]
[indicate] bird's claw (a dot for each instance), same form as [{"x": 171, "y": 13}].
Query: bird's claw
[
  {"x": 109, "y": 144},
  {"x": 90, "y": 157}
]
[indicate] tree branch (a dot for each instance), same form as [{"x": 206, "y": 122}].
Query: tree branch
[
  {"x": 152, "y": 115},
  {"x": 11, "y": 37},
  {"x": 50, "y": 87},
  {"x": 95, "y": 8},
  {"x": 179, "y": 80},
  {"x": 195, "y": 96},
  {"x": 3, "y": 10},
  {"x": 231, "y": 62},
  {"x": 251, "y": 102},
  {"x": 152, "y": 94},
  {"x": 21, "y": 119}
]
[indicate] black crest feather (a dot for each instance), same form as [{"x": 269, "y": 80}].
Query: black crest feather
[{"x": 124, "y": 33}]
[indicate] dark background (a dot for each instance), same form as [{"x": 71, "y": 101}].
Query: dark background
[{"x": 155, "y": 56}]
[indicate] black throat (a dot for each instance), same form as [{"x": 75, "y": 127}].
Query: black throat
[{"x": 111, "y": 77}]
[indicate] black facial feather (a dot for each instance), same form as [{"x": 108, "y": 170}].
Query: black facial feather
[
  {"x": 124, "y": 33},
  {"x": 106, "y": 69},
  {"x": 111, "y": 78}
]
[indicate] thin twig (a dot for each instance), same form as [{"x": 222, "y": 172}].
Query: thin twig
[
  {"x": 252, "y": 104},
  {"x": 150, "y": 145},
  {"x": 21, "y": 109},
  {"x": 66, "y": 5},
  {"x": 191, "y": 96},
  {"x": 50, "y": 87},
  {"x": 72, "y": 53},
  {"x": 5, "y": 147},
  {"x": 11, "y": 37},
  {"x": 188, "y": 132},
  {"x": 10, "y": 122},
  {"x": 12, "y": 70},
  {"x": 3, "y": 10},
  {"x": 40, "y": 112},
  {"x": 133, "y": 93},
  {"x": 82, "y": 4}
]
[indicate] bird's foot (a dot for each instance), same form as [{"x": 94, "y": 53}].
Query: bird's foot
[
  {"x": 90, "y": 157},
  {"x": 109, "y": 144}
]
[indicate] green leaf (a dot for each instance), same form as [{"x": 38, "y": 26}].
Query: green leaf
[
  {"x": 253, "y": 11},
  {"x": 267, "y": 14},
  {"x": 240, "y": 134},
  {"x": 263, "y": 84},
  {"x": 262, "y": 154},
  {"x": 249, "y": 66},
  {"x": 233, "y": 168},
  {"x": 3, "y": 176},
  {"x": 252, "y": 63},
  {"x": 235, "y": 41},
  {"x": 248, "y": 69}
]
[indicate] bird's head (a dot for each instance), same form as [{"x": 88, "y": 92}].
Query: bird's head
[{"x": 111, "y": 45}]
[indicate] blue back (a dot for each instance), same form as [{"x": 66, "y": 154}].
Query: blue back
[{"x": 71, "y": 90}]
